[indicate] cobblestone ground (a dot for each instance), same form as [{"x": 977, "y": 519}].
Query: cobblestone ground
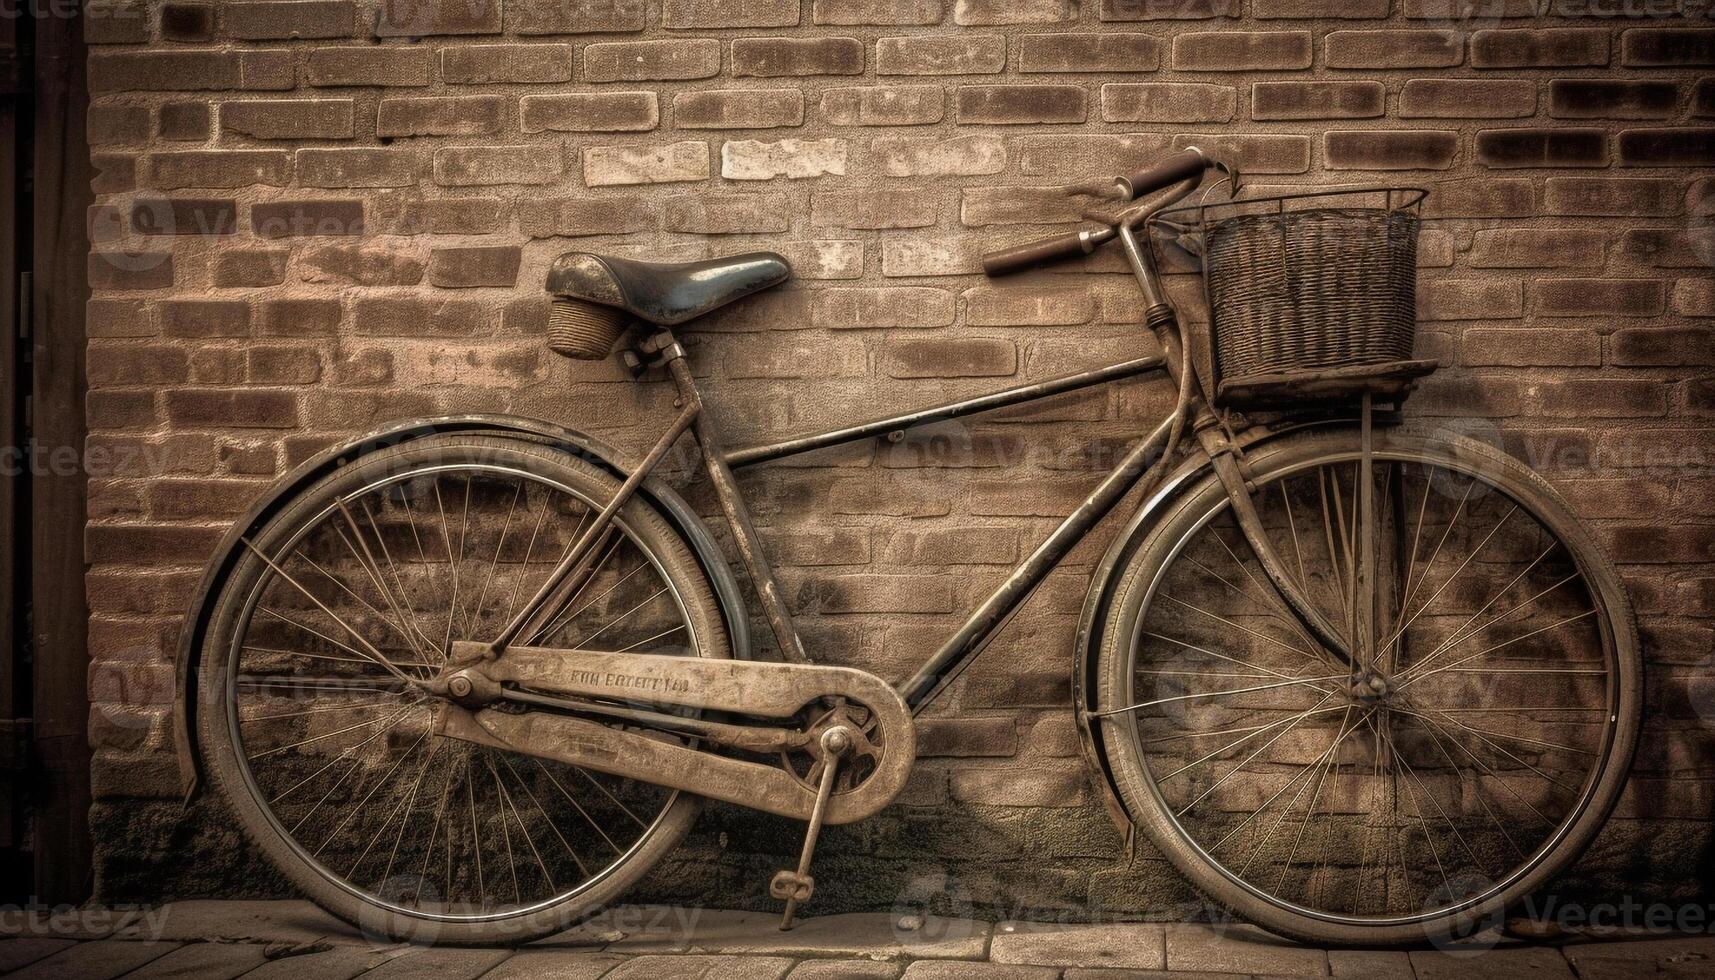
[{"x": 296, "y": 941}]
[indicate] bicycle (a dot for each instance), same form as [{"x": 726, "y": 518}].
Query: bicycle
[{"x": 1359, "y": 682}]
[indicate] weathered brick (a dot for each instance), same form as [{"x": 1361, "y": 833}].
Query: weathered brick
[
  {"x": 413, "y": 19},
  {"x": 791, "y": 57},
  {"x": 606, "y": 166},
  {"x": 884, "y": 105},
  {"x": 280, "y": 20},
  {"x": 932, "y": 54},
  {"x": 1596, "y": 398},
  {"x": 1471, "y": 10},
  {"x": 853, "y": 13},
  {"x": 185, "y": 216},
  {"x": 1317, "y": 100},
  {"x": 421, "y": 317},
  {"x": 186, "y": 22},
  {"x": 738, "y": 109},
  {"x": 298, "y": 317},
  {"x": 588, "y": 216},
  {"x": 204, "y": 318},
  {"x": 187, "y": 121},
  {"x": 636, "y": 61},
  {"x": 1703, "y": 97},
  {"x": 367, "y": 66},
  {"x": 473, "y": 116},
  {"x": 1319, "y": 9},
  {"x": 265, "y": 365},
  {"x": 598, "y": 112},
  {"x": 989, "y": 13},
  {"x": 969, "y": 357},
  {"x": 475, "y": 266},
  {"x": 1141, "y": 10},
  {"x": 488, "y": 166},
  {"x": 115, "y": 124},
  {"x": 1661, "y": 346},
  {"x": 1530, "y": 347},
  {"x": 1598, "y": 98},
  {"x": 307, "y": 219},
  {"x": 1242, "y": 50},
  {"x": 1554, "y": 47},
  {"x": 1265, "y": 154},
  {"x": 1503, "y": 148},
  {"x": 981, "y": 207},
  {"x": 1469, "y": 299},
  {"x": 361, "y": 265},
  {"x": 988, "y": 306},
  {"x": 225, "y": 408},
  {"x": 250, "y": 268},
  {"x": 1644, "y": 47},
  {"x": 498, "y": 64},
  {"x": 1467, "y": 98},
  {"x": 878, "y": 594},
  {"x": 1538, "y": 248},
  {"x": 455, "y": 216},
  {"x": 794, "y": 158},
  {"x": 1012, "y": 105},
  {"x": 729, "y": 214},
  {"x": 1394, "y": 49},
  {"x": 1083, "y": 52},
  {"x": 186, "y": 71},
  {"x": 290, "y": 119},
  {"x": 219, "y": 168},
  {"x": 929, "y": 156},
  {"x": 705, "y": 14},
  {"x": 116, "y": 22},
  {"x": 882, "y": 308},
  {"x": 1668, "y": 248},
  {"x": 1088, "y": 155},
  {"x": 575, "y": 16},
  {"x": 1598, "y": 297},
  {"x": 353, "y": 166},
  {"x": 1624, "y": 196},
  {"x": 873, "y": 209},
  {"x": 1694, "y": 297},
  {"x": 1667, "y": 147},
  {"x": 111, "y": 364}
]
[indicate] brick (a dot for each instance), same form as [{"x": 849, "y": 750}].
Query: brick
[
  {"x": 115, "y": 173},
  {"x": 412, "y": 19},
  {"x": 116, "y": 22},
  {"x": 130, "y": 270},
  {"x": 878, "y": 594},
  {"x": 793, "y": 158},
  {"x": 885, "y": 13},
  {"x": 1167, "y": 102},
  {"x": 1317, "y": 100},
  {"x": 932, "y": 54},
  {"x": 588, "y": 216},
  {"x": 1319, "y": 9},
  {"x": 1530, "y": 347},
  {"x": 989, "y": 13},
  {"x": 1394, "y": 49},
  {"x": 1598, "y": 297},
  {"x": 358, "y": 167},
  {"x": 818, "y": 548},
  {"x": 108, "y": 125},
  {"x": 291, "y": 119},
  {"x": 416, "y": 317},
  {"x": 186, "y": 121},
  {"x": 1667, "y": 248},
  {"x": 185, "y": 216},
  {"x": 873, "y": 209},
  {"x": 606, "y": 166},
  {"x": 367, "y": 66},
  {"x": 1268, "y": 154},
  {"x": 1538, "y": 248},
  {"x": 1105, "y": 52},
  {"x": 1660, "y": 346},
  {"x": 793, "y": 57},
  {"x": 487, "y": 166},
  {"x": 1013, "y": 105},
  {"x": 1667, "y": 147},
  {"x": 1597, "y": 98},
  {"x": 224, "y": 409},
  {"x": 1549, "y": 47},
  {"x": 1502, "y": 148},
  {"x": 598, "y": 112},
  {"x": 272, "y": 365},
  {"x": 473, "y": 116},
  {"x": 884, "y": 105},
  {"x": 636, "y": 61},
  {"x": 476, "y": 266},
  {"x": 219, "y": 168},
  {"x": 298, "y": 317},
  {"x": 929, "y": 156},
  {"x": 1469, "y": 299},
  {"x": 499, "y": 64},
  {"x": 882, "y": 308},
  {"x": 1242, "y": 51},
  {"x": 249, "y": 268},
  {"x": 283, "y": 20},
  {"x": 311, "y": 219},
  {"x": 706, "y": 14},
  {"x": 1694, "y": 297},
  {"x": 1467, "y": 98},
  {"x": 969, "y": 357},
  {"x": 1087, "y": 155},
  {"x": 1643, "y": 47},
  {"x": 1703, "y": 98},
  {"x": 968, "y": 738},
  {"x": 189, "y": 71},
  {"x": 738, "y": 109},
  {"x": 187, "y": 22},
  {"x": 579, "y": 17},
  {"x": 1621, "y": 196},
  {"x": 1142, "y": 10},
  {"x": 1468, "y": 10},
  {"x": 111, "y": 364},
  {"x": 981, "y": 207},
  {"x": 360, "y": 265},
  {"x": 201, "y": 319},
  {"x": 729, "y": 214},
  {"x": 988, "y": 306},
  {"x": 1059, "y": 787}
]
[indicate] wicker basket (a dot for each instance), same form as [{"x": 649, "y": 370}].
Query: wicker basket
[{"x": 1311, "y": 296}]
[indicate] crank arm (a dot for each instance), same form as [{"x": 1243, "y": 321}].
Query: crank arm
[{"x": 750, "y": 739}]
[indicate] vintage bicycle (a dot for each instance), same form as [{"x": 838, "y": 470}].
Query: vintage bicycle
[{"x": 469, "y": 679}]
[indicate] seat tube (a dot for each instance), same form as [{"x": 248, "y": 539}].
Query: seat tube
[{"x": 738, "y": 518}]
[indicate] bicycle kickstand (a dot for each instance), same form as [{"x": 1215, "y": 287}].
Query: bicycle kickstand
[{"x": 796, "y": 887}]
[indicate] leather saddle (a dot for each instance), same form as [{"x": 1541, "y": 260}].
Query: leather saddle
[{"x": 664, "y": 293}]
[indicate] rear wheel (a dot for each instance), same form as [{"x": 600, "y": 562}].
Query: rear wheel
[
  {"x": 1474, "y": 754},
  {"x": 327, "y": 756}
]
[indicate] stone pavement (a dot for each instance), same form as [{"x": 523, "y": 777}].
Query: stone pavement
[{"x": 296, "y": 941}]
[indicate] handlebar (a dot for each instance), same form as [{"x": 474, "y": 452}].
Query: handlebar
[{"x": 1168, "y": 171}]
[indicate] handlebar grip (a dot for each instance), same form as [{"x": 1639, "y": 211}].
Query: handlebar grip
[
  {"x": 1020, "y": 257},
  {"x": 1169, "y": 171}
]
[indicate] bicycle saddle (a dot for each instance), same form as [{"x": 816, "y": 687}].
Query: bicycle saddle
[{"x": 662, "y": 292}]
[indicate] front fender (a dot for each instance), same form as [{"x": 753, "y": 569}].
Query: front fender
[
  {"x": 673, "y": 507},
  {"x": 1093, "y": 620}
]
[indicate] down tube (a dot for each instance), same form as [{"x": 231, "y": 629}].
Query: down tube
[{"x": 975, "y": 634}]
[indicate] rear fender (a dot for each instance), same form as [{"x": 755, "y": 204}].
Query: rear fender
[{"x": 585, "y": 447}]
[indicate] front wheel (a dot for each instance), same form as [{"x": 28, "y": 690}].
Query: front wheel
[
  {"x": 1471, "y": 755},
  {"x": 318, "y": 733}
]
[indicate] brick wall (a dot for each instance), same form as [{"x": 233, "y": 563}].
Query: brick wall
[{"x": 317, "y": 216}]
